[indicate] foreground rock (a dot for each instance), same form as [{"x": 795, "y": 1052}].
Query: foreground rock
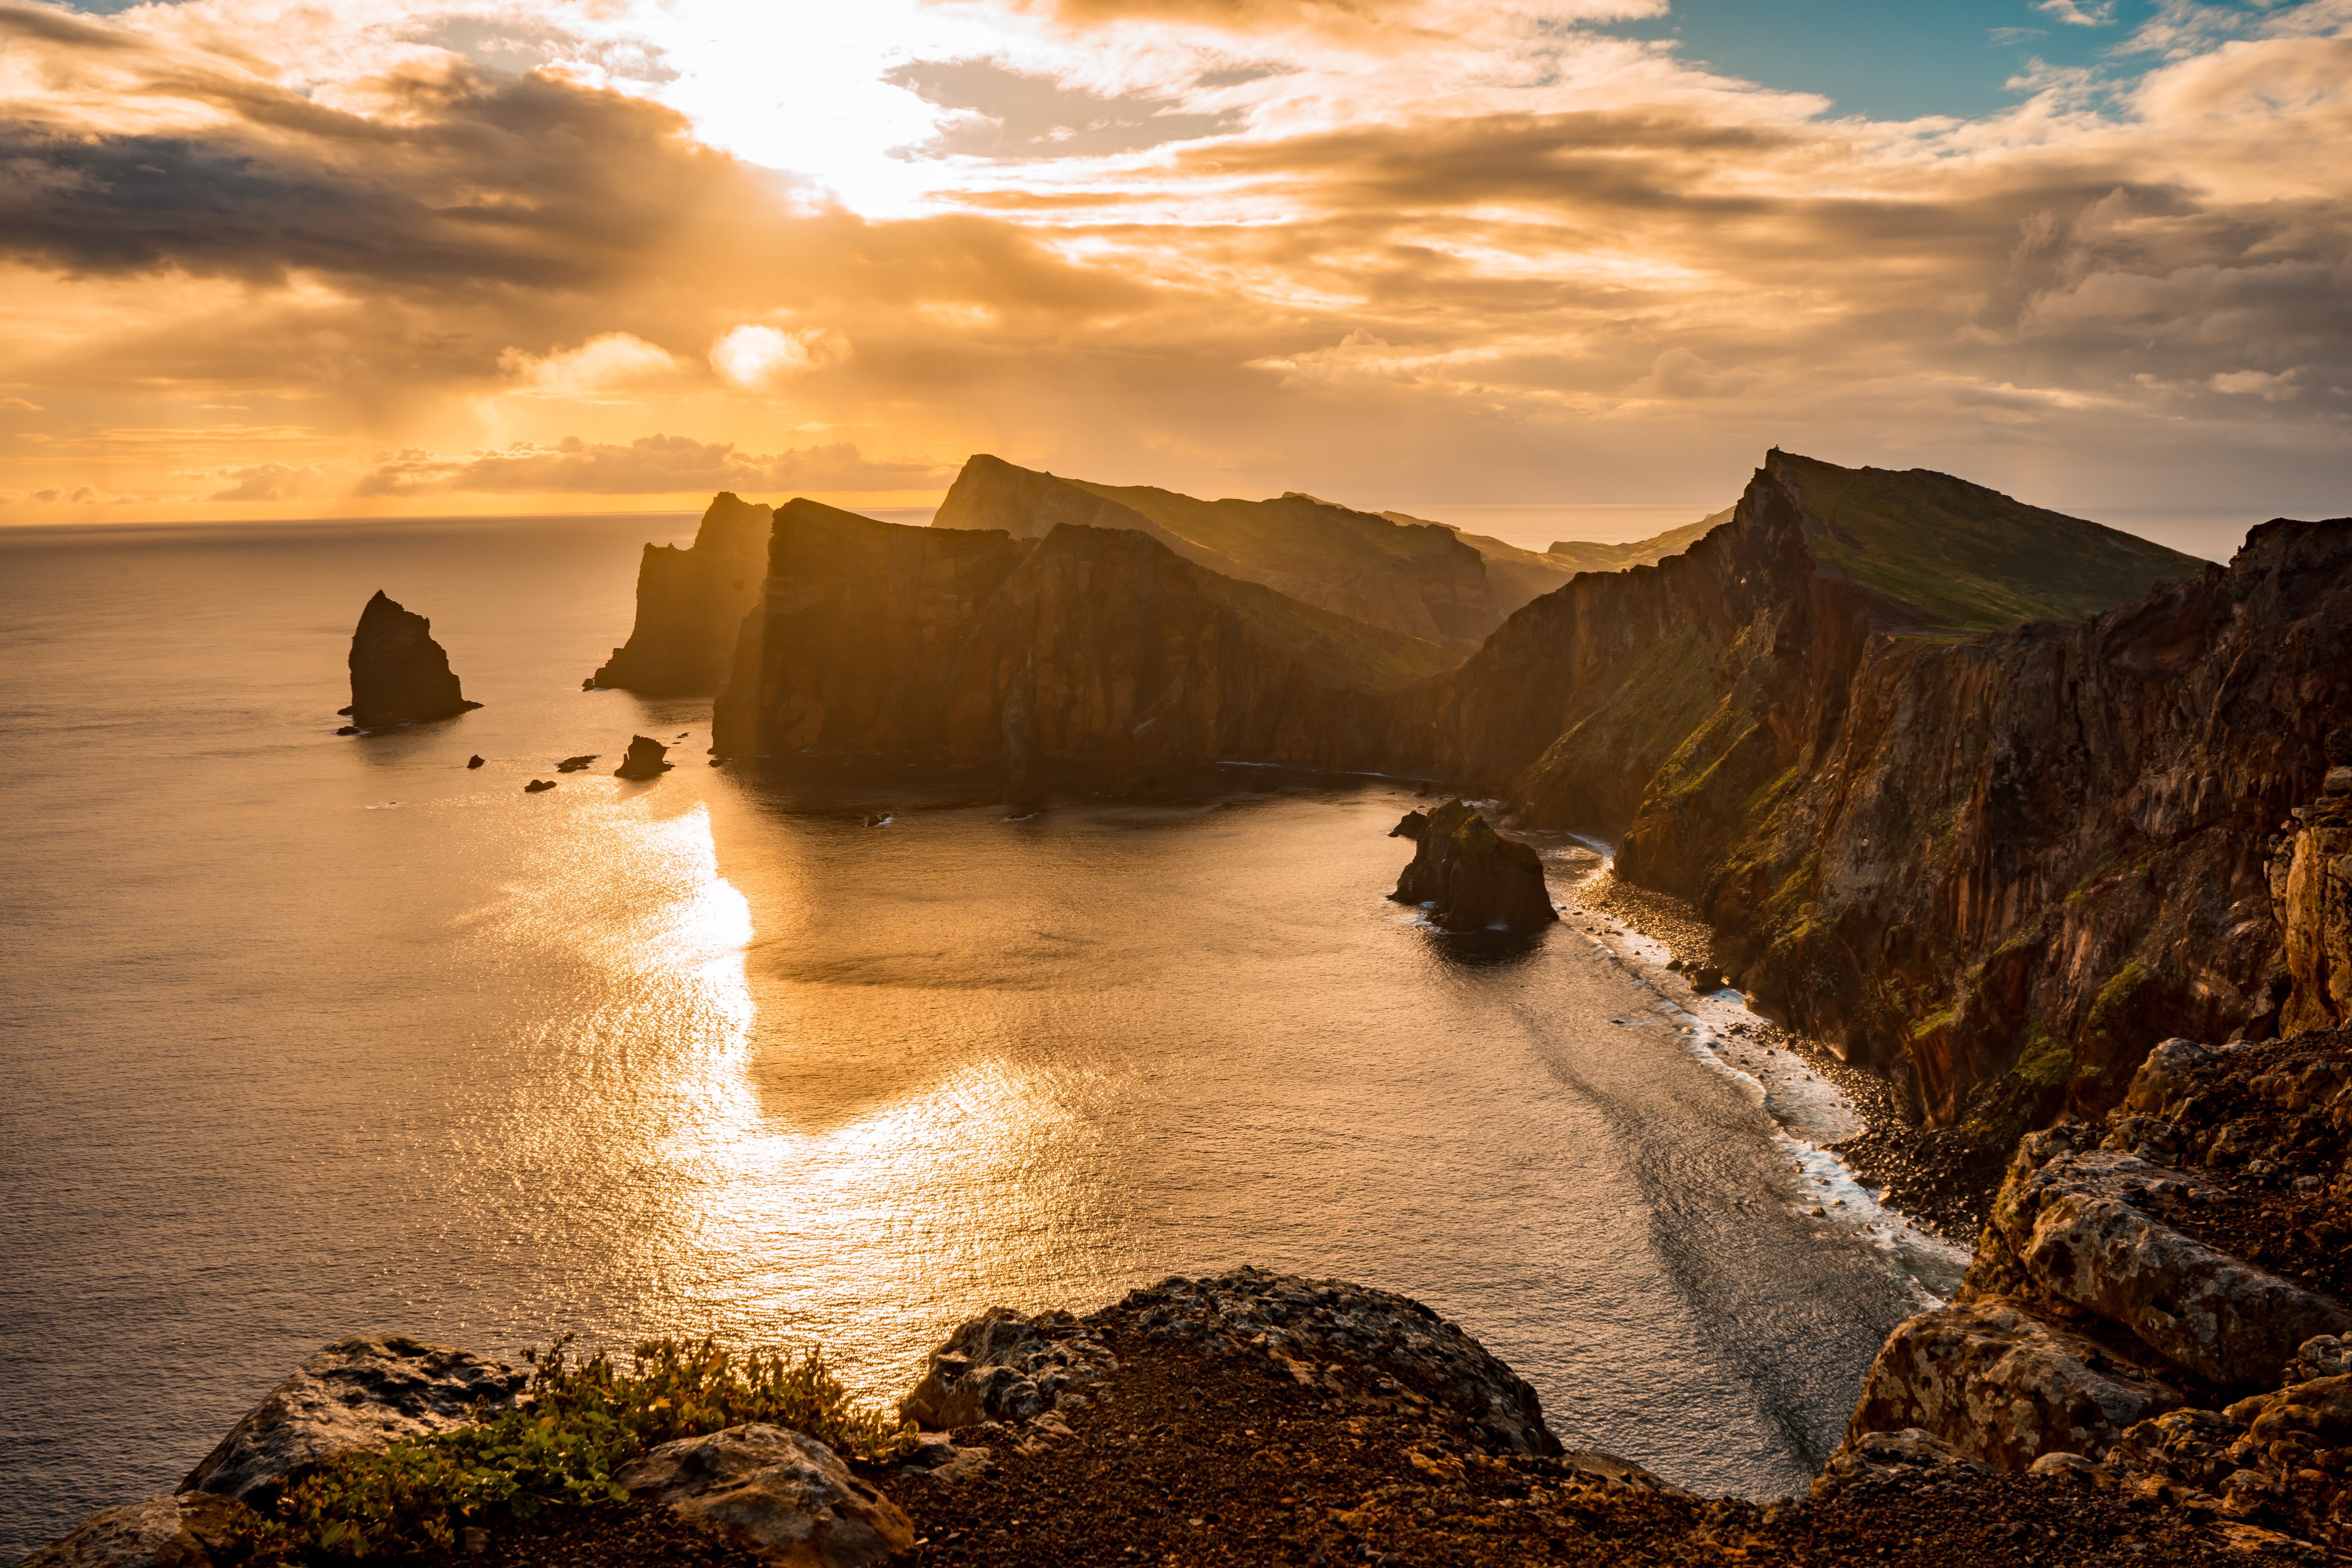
[
  {"x": 2156, "y": 1306},
  {"x": 1469, "y": 877},
  {"x": 644, "y": 761},
  {"x": 782, "y": 1496},
  {"x": 399, "y": 674},
  {"x": 189, "y": 1531},
  {"x": 358, "y": 1394}
]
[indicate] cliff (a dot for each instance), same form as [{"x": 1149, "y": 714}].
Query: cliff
[
  {"x": 1469, "y": 877},
  {"x": 399, "y": 674},
  {"x": 691, "y": 604},
  {"x": 1387, "y": 570},
  {"x": 1095, "y": 650},
  {"x": 1821, "y": 726}
]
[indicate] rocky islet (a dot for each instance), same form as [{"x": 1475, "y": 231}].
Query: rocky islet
[{"x": 399, "y": 674}]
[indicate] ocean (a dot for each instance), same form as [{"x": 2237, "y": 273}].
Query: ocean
[{"x": 306, "y": 1036}]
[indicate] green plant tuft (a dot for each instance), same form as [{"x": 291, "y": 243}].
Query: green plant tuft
[{"x": 580, "y": 1422}]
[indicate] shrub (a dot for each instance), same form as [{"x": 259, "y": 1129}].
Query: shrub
[{"x": 579, "y": 1422}]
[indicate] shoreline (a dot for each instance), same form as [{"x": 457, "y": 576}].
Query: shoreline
[{"x": 1919, "y": 1176}]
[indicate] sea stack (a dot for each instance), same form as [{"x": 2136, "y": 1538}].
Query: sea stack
[
  {"x": 1470, "y": 876},
  {"x": 399, "y": 674},
  {"x": 644, "y": 760}
]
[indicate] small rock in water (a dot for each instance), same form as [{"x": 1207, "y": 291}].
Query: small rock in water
[
  {"x": 644, "y": 759},
  {"x": 348, "y": 729},
  {"x": 343, "y": 712},
  {"x": 574, "y": 764},
  {"x": 537, "y": 784},
  {"x": 475, "y": 761}
]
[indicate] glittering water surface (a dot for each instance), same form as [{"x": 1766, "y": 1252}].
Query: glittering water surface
[{"x": 306, "y": 1036}]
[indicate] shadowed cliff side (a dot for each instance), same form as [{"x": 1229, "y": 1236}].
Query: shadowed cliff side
[
  {"x": 691, "y": 602},
  {"x": 1418, "y": 578},
  {"x": 1093, "y": 648}
]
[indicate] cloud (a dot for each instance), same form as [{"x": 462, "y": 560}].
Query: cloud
[
  {"x": 2257, "y": 383},
  {"x": 19, "y": 405},
  {"x": 276, "y": 483},
  {"x": 2074, "y": 14},
  {"x": 759, "y": 358},
  {"x": 604, "y": 362},
  {"x": 652, "y": 465}
]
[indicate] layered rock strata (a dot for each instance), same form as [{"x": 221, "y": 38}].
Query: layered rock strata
[
  {"x": 691, "y": 604},
  {"x": 1469, "y": 877},
  {"x": 399, "y": 674},
  {"x": 2158, "y": 1305}
]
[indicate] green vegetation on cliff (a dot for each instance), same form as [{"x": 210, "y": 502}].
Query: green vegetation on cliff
[{"x": 1965, "y": 558}]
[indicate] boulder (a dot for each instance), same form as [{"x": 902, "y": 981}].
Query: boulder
[
  {"x": 193, "y": 1530},
  {"x": 779, "y": 1494},
  {"x": 576, "y": 764},
  {"x": 358, "y": 1394},
  {"x": 538, "y": 786},
  {"x": 644, "y": 760},
  {"x": 475, "y": 761},
  {"x": 399, "y": 674},
  {"x": 2076, "y": 1231},
  {"x": 1007, "y": 1366},
  {"x": 1469, "y": 877},
  {"x": 1999, "y": 1386},
  {"x": 1890, "y": 1458}
]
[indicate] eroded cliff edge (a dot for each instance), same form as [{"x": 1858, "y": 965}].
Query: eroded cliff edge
[{"x": 691, "y": 604}]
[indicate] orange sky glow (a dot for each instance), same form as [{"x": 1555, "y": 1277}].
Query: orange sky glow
[{"x": 265, "y": 259}]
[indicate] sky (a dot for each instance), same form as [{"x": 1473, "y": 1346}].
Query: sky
[{"x": 1535, "y": 258}]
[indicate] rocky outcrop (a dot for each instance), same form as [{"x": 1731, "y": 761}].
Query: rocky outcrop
[
  {"x": 2311, "y": 897},
  {"x": 399, "y": 674},
  {"x": 1998, "y": 1386},
  {"x": 780, "y": 1495},
  {"x": 356, "y": 1394},
  {"x": 1095, "y": 653},
  {"x": 1470, "y": 877},
  {"x": 190, "y": 1531},
  {"x": 691, "y": 604},
  {"x": 2156, "y": 1306},
  {"x": 1007, "y": 1366},
  {"x": 644, "y": 759}
]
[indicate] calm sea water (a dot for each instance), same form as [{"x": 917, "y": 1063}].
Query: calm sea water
[{"x": 306, "y": 1036}]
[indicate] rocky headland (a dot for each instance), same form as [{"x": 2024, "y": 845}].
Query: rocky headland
[
  {"x": 1469, "y": 877},
  {"x": 399, "y": 674},
  {"x": 691, "y": 604}
]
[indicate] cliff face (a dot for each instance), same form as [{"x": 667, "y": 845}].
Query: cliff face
[
  {"x": 853, "y": 646},
  {"x": 399, "y": 674},
  {"x": 1093, "y": 648},
  {"x": 691, "y": 603},
  {"x": 1996, "y": 866},
  {"x": 2311, "y": 899},
  {"x": 1417, "y": 578}
]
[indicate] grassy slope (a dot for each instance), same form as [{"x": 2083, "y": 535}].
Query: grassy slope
[
  {"x": 1291, "y": 533},
  {"x": 1343, "y": 651},
  {"x": 1967, "y": 558}
]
